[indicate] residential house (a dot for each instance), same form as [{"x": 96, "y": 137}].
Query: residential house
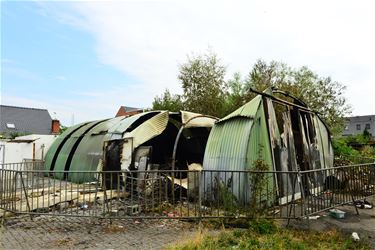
[
  {"x": 128, "y": 111},
  {"x": 23, "y": 120},
  {"x": 357, "y": 124}
]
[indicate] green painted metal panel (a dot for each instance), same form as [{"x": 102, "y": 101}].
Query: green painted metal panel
[
  {"x": 248, "y": 110},
  {"x": 90, "y": 151},
  {"x": 57, "y": 144},
  {"x": 259, "y": 147},
  {"x": 68, "y": 147},
  {"x": 234, "y": 144},
  {"x": 226, "y": 150}
]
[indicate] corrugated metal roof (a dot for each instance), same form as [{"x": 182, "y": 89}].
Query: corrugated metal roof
[
  {"x": 25, "y": 120},
  {"x": 197, "y": 122},
  {"x": 90, "y": 150},
  {"x": 56, "y": 146},
  {"x": 118, "y": 129},
  {"x": 80, "y": 148},
  {"x": 259, "y": 147},
  {"x": 70, "y": 146},
  {"x": 234, "y": 144},
  {"x": 149, "y": 129},
  {"x": 226, "y": 149},
  {"x": 248, "y": 110},
  {"x": 227, "y": 144}
]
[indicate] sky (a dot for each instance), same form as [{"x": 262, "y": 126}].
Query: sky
[{"x": 82, "y": 60}]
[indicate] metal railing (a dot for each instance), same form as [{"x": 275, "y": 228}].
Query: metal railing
[
  {"x": 25, "y": 188},
  {"x": 342, "y": 185}
]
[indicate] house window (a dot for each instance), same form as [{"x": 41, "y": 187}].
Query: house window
[
  {"x": 368, "y": 126},
  {"x": 358, "y": 126},
  {"x": 11, "y": 125}
]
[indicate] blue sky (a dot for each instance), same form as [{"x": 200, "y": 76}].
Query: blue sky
[
  {"x": 44, "y": 60},
  {"x": 86, "y": 58}
]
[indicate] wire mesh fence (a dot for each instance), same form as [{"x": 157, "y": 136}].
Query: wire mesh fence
[{"x": 25, "y": 188}]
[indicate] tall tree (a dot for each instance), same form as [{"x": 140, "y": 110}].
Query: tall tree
[
  {"x": 167, "y": 101},
  {"x": 235, "y": 97},
  {"x": 319, "y": 93},
  {"x": 204, "y": 88}
]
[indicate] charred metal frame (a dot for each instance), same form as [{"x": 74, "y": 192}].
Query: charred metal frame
[{"x": 179, "y": 135}]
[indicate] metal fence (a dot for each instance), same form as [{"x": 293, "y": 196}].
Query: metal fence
[{"x": 25, "y": 188}]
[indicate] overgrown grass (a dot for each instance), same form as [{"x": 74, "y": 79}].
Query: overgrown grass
[{"x": 264, "y": 234}]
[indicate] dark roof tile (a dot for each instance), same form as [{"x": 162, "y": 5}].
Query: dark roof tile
[{"x": 25, "y": 120}]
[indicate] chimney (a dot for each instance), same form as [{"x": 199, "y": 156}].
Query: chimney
[{"x": 55, "y": 128}]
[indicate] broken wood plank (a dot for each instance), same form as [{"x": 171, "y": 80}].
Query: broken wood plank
[
  {"x": 45, "y": 201},
  {"x": 101, "y": 196}
]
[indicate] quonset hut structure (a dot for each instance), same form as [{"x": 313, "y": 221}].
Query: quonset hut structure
[
  {"x": 284, "y": 135},
  {"x": 142, "y": 141},
  {"x": 281, "y": 133}
]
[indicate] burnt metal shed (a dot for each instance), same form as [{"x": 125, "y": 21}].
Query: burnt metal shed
[
  {"x": 285, "y": 135},
  {"x": 119, "y": 143}
]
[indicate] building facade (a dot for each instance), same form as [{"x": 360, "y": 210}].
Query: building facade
[{"x": 357, "y": 124}]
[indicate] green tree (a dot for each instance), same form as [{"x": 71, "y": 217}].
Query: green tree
[
  {"x": 63, "y": 129},
  {"x": 235, "y": 97},
  {"x": 321, "y": 94},
  {"x": 204, "y": 88},
  {"x": 167, "y": 101}
]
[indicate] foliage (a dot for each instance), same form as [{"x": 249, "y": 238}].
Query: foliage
[
  {"x": 263, "y": 226},
  {"x": 368, "y": 151},
  {"x": 226, "y": 199},
  {"x": 343, "y": 148},
  {"x": 205, "y": 90},
  {"x": 264, "y": 234},
  {"x": 167, "y": 101},
  {"x": 258, "y": 186},
  {"x": 202, "y": 80},
  {"x": 321, "y": 94},
  {"x": 235, "y": 95},
  {"x": 63, "y": 129},
  {"x": 13, "y": 135}
]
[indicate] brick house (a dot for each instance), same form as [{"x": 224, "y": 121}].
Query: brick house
[{"x": 124, "y": 110}]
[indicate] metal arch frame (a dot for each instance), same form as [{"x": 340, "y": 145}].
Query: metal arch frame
[{"x": 179, "y": 135}]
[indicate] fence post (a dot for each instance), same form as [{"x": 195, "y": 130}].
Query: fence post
[
  {"x": 25, "y": 192},
  {"x": 200, "y": 195},
  {"x": 303, "y": 198}
]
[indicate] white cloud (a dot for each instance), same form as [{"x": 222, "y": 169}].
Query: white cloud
[
  {"x": 149, "y": 39},
  {"x": 85, "y": 106},
  {"x": 60, "y": 78}
]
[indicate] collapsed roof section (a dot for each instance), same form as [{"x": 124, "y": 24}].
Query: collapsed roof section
[
  {"x": 286, "y": 136},
  {"x": 123, "y": 141}
]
